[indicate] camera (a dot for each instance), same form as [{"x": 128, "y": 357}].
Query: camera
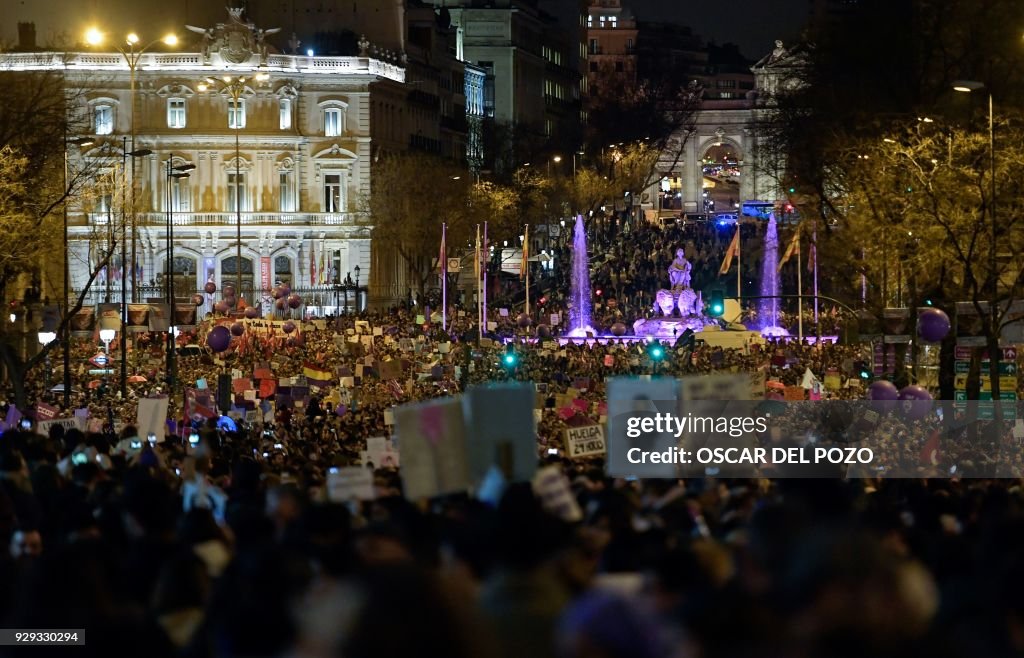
[
  {"x": 333, "y": 469},
  {"x": 26, "y": 424},
  {"x": 136, "y": 444},
  {"x": 193, "y": 439},
  {"x": 79, "y": 458},
  {"x": 268, "y": 432},
  {"x": 552, "y": 451},
  {"x": 152, "y": 439},
  {"x": 278, "y": 446}
]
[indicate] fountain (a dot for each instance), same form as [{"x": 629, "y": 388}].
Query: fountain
[
  {"x": 579, "y": 310},
  {"x": 768, "y": 309}
]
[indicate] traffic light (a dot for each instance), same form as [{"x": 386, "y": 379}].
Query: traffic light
[
  {"x": 656, "y": 351},
  {"x": 863, "y": 371},
  {"x": 792, "y": 190},
  {"x": 716, "y": 304},
  {"x": 510, "y": 359}
]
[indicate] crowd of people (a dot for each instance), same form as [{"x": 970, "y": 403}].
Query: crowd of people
[{"x": 225, "y": 540}]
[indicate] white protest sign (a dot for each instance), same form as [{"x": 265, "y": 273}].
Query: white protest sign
[
  {"x": 433, "y": 440},
  {"x": 585, "y": 441},
  {"x": 43, "y": 426},
  {"x": 152, "y": 417},
  {"x": 502, "y": 431},
  {"x": 350, "y": 483}
]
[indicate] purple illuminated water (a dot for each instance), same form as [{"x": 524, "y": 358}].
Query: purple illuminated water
[
  {"x": 579, "y": 311},
  {"x": 768, "y": 308}
]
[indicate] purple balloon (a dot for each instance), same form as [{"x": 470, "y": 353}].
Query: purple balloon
[
  {"x": 294, "y": 301},
  {"x": 219, "y": 338},
  {"x": 237, "y": 329},
  {"x": 252, "y": 312},
  {"x": 210, "y": 287},
  {"x": 618, "y": 329},
  {"x": 278, "y": 292},
  {"x": 883, "y": 390},
  {"x": 933, "y": 324},
  {"x": 915, "y": 402},
  {"x": 197, "y": 299},
  {"x": 288, "y": 327},
  {"x": 221, "y": 307},
  {"x": 292, "y": 342},
  {"x": 230, "y": 301},
  {"x": 544, "y": 331},
  {"x": 340, "y": 410},
  {"x": 524, "y": 320},
  {"x": 229, "y": 291},
  {"x": 285, "y": 290},
  {"x": 280, "y": 304}
]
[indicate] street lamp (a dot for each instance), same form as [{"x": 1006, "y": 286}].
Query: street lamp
[
  {"x": 358, "y": 305},
  {"x": 80, "y": 142},
  {"x": 107, "y": 336},
  {"x": 138, "y": 153},
  {"x": 132, "y": 55},
  {"x": 235, "y": 88},
  {"x": 968, "y": 86},
  {"x": 173, "y": 174}
]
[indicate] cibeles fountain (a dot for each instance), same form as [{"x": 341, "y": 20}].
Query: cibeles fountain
[{"x": 681, "y": 307}]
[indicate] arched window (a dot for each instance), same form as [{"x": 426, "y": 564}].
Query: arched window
[
  {"x": 283, "y": 270},
  {"x": 229, "y": 276}
]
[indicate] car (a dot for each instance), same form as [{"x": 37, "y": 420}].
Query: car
[{"x": 726, "y": 219}]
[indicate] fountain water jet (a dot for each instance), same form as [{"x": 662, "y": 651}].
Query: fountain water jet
[
  {"x": 768, "y": 309},
  {"x": 579, "y": 311}
]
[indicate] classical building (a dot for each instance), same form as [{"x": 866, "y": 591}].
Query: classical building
[
  {"x": 281, "y": 145},
  {"x": 725, "y": 165},
  {"x": 611, "y": 43}
]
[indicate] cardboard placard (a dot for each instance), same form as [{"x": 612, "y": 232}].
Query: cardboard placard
[
  {"x": 433, "y": 440},
  {"x": 585, "y": 441}
]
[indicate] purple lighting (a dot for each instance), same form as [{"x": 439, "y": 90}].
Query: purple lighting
[
  {"x": 579, "y": 309},
  {"x": 768, "y": 309}
]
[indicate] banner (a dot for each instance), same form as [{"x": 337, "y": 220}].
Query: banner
[
  {"x": 159, "y": 317},
  {"x": 138, "y": 317},
  {"x": 185, "y": 316},
  {"x": 110, "y": 316},
  {"x": 265, "y": 283},
  {"x": 43, "y": 426},
  {"x": 83, "y": 322}
]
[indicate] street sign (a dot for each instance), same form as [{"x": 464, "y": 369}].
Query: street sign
[
  {"x": 1006, "y": 382},
  {"x": 100, "y": 360},
  {"x": 964, "y": 353},
  {"x": 1005, "y": 368}
]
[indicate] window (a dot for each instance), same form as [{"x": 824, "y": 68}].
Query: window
[
  {"x": 237, "y": 192},
  {"x": 334, "y": 125},
  {"x": 590, "y": 21},
  {"x": 286, "y": 191},
  {"x": 283, "y": 270},
  {"x": 285, "y": 113},
  {"x": 594, "y": 48},
  {"x": 175, "y": 112},
  {"x": 613, "y": 20},
  {"x": 629, "y": 45},
  {"x": 236, "y": 114},
  {"x": 180, "y": 195},
  {"x": 334, "y": 199},
  {"x": 548, "y": 127},
  {"x": 103, "y": 119},
  {"x": 593, "y": 67}
]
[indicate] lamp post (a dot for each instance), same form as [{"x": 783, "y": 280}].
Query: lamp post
[
  {"x": 66, "y": 335},
  {"x": 139, "y": 153},
  {"x": 132, "y": 55},
  {"x": 358, "y": 306},
  {"x": 968, "y": 86},
  {"x": 235, "y": 88},
  {"x": 173, "y": 174}
]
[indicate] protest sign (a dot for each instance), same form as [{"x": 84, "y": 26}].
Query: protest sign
[
  {"x": 632, "y": 398},
  {"x": 552, "y": 489},
  {"x": 584, "y": 441},
  {"x": 350, "y": 483},
  {"x": 78, "y": 422},
  {"x": 152, "y": 413},
  {"x": 502, "y": 433},
  {"x": 433, "y": 441}
]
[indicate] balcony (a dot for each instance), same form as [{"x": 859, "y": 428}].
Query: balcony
[{"x": 248, "y": 219}]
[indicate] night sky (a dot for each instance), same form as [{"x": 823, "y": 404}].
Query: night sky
[{"x": 754, "y": 25}]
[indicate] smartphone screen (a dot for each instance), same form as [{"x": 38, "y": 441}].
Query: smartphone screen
[{"x": 193, "y": 439}]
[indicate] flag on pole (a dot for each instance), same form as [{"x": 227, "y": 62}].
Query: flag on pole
[
  {"x": 793, "y": 248},
  {"x": 731, "y": 252},
  {"x": 476, "y": 261},
  {"x": 812, "y": 256},
  {"x": 312, "y": 263},
  {"x": 526, "y": 253},
  {"x": 442, "y": 257},
  {"x": 323, "y": 266}
]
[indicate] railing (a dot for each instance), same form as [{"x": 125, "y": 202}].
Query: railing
[
  {"x": 248, "y": 219},
  {"x": 327, "y": 297}
]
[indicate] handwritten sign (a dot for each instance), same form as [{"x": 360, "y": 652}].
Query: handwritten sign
[
  {"x": 350, "y": 483},
  {"x": 433, "y": 440},
  {"x": 585, "y": 441}
]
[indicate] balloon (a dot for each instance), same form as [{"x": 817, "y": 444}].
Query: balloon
[
  {"x": 252, "y": 312},
  {"x": 210, "y": 287},
  {"x": 230, "y": 301},
  {"x": 543, "y": 331},
  {"x": 933, "y": 324},
  {"x": 197, "y": 299},
  {"x": 340, "y": 410},
  {"x": 294, "y": 301},
  {"x": 221, "y": 307},
  {"x": 229, "y": 291},
  {"x": 237, "y": 329},
  {"x": 292, "y": 341},
  {"x": 278, "y": 292},
  {"x": 883, "y": 390},
  {"x": 285, "y": 290},
  {"x": 279, "y": 304},
  {"x": 524, "y": 320},
  {"x": 915, "y": 402},
  {"x": 219, "y": 338},
  {"x": 288, "y": 327},
  {"x": 618, "y": 329}
]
